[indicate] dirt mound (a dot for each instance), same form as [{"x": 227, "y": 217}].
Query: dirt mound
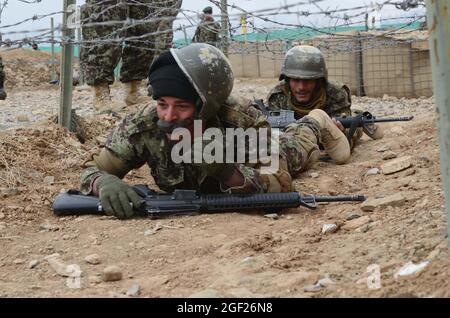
[{"x": 27, "y": 68}]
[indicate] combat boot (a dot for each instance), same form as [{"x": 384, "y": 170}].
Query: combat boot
[
  {"x": 132, "y": 96},
  {"x": 2, "y": 94},
  {"x": 102, "y": 99},
  {"x": 332, "y": 138},
  {"x": 375, "y": 132},
  {"x": 2, "y": 89}
]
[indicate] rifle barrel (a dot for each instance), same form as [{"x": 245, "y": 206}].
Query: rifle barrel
[
  {"x": 385, "y": 120},
  {"x": 338, "y": 198}
]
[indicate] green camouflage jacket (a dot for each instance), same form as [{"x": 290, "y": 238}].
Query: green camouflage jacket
[{"x": 338, "y": 100}]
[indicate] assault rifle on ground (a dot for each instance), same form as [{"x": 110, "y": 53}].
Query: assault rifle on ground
[
  {"x": 187, "y": 202},
  {"x": 283, "y": 117}
]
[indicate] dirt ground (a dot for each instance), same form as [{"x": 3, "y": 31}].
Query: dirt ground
[{"x": 229, "y": 254}]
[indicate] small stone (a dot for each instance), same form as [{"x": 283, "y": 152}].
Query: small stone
[
  {"x": 396, "y": 165},
  {"x": 327, "y": 281},
  {"x": 352, "y": 216},
  {"x": 372, "y": 172},
  {"x": 49, "y": 227},
  {"x": 312, "y": 288},
  {"x": 383, "y": 148},
  {"x": 363, "y": 229},
  {"x": 410, "y": 269},
  {"x": 272, "y": 216},
  {"x": 314, "y": 174},
  {"x": 56, "y": 263},
  {"x": 28, "y": 209},
  {"x": 329, "y": 228},
  {"x": 433, "y": 254},
  {"x": 155, "y": 229},
  {"x": 18, "y": 261},
  {"x": 134, "y": 291},
  {"x": 111, "y": 274},
  {"x": 49, "y": 179},
  {"x": 7, "y": 192},
  {"x": 354, "y": 187},
  {"x": 389, "y": 155},
  {"x": 93, "y": 259},
  {"x": 391, "y": 200},
  {"x": 22, "y": 118},
  {"x": 356, "y": 223},
  {"x": 33, "y": 264},
  {"x": 409, "y": 172},
  {"x": 94, "y": 279}
]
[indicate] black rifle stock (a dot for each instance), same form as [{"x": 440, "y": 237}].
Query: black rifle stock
[{"x": 189, "y": 202}]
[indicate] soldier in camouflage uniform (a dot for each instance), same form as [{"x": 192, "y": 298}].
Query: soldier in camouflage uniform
[
  {"x": 2, "y": 81},
  {"x": 99, "y": 59},
  {"x": 304, "y": 86},
  {"x": 208, "y": 30},
  {"x": 194, "y": 83}
]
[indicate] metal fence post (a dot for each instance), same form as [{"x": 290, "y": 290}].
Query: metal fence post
[
  {"x": 80, "y": 72},
  {"x": 224, "y": 22},
  {"x": 66, "y": 77},
  {"x": 53, "y": 69},
  {"x": 438, "y": 18}
]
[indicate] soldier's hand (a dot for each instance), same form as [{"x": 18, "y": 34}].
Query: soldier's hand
[
  {"x": 116, "y": 195},
  {"x": 338, "y": 124}
]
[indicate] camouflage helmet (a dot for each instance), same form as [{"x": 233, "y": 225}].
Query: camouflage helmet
[
  {"x": 209, "y": 72},
  {"x": 304, "y": 62}
]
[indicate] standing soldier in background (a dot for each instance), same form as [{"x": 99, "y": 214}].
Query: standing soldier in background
[
  {"x": 2, "y": 81},
  {"x": 165, "y": 31},
  {"x": 165, "y": 27},
  {"x": 106, "y": 44},
  {"x": 208, "y": 30}
]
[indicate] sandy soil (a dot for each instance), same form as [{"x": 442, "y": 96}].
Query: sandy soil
[{"x": 230, "y": 254}]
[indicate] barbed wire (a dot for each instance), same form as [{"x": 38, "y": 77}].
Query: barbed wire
[{"x": 352, "y": 16}]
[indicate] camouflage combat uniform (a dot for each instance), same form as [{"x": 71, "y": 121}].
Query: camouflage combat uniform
[
  {"x": 165, "y": 28},
  {"x": 2, "y": 72},
  {"x": 99, "y": 59},
  {"x": 138, "y": 141},
  {"x": 207, "y": 32},
  {"x": 2, "y": 80},
  {"x": 337, "y": 103}
]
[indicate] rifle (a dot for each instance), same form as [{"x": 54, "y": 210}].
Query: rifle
[
  {"x": 283, "y": 117},
  {"x": 188, "y": 202}
]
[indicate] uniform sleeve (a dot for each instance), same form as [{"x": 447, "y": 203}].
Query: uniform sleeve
[
  {"x": 341, "y": 103},
  {"x": 118, "y": 157}
]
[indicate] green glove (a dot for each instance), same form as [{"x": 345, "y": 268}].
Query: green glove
[{"x": 116, "y": 195}]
